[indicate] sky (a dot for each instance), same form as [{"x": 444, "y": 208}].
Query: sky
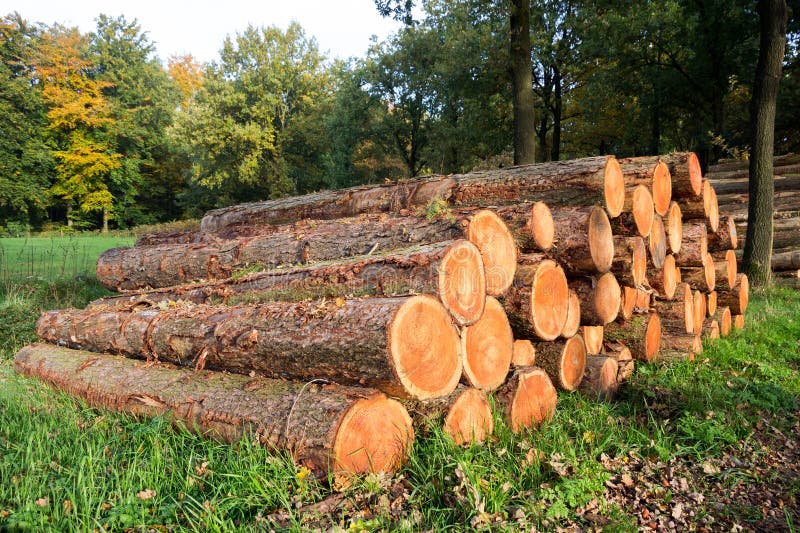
[{"x": 342, "y": 28}]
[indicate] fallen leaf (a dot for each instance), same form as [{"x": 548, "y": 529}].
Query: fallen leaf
[
  {"x": 627, "y": 480},
  {"x": 146, "y": 494},
  {"x": 677, "y": 511},
  {"x": 42, "y": 502},
  {"x": 708, "y": 468}
]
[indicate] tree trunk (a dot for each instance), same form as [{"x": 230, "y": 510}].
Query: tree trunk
[
  {"x": 725, "y": 238},
  {"x": 600, "y": 299},
  {"x": 69, "y": 213},
  {"x": 325, "y": 427},
  {"x": 487, "y": 347},
  {"x": 773, "y": 15},
  {"x": 736, "y": 298},
  {"x": 538, "y": 303},
  {"x": 630, "y": 261},
  {"x": 695, "y": 245},
  {"x": 465, "y": 415},
  {"x": 407, "y": 347},
  {"x": 653, "y": 174},
  {"x": 600, "y": 377},
  {"x": 641, "y": 334},
  {"x": 522, "y": 83},
  {"x": 558, "y": 104},
  {"x": 105, "y": 220},
  {"x": 583, "y": 241},
  {"x": 564, "y": 361},
  {"x": 528, "y": 399}
]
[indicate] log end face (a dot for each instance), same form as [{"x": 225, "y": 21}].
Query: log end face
[
  {"x": 374, "y": 436},
  {"x": 549, "y": 300},
  {"x": 524, "y": 353},
  {"x": 712, "y": 332},
  {"x": 462, "y": 282},
  {"x": 698, "y": 311},
  {"x": 487, "y": 348},
  {"x": 601, "y": 240},
  {"x": 731, "y": 268},
  {"x": 534, "y": 401},
  {"x": 424, "y": 348},
  {"x": 607, "y": 298},
  {"x": 695, "y": 174},
  {"x": 638, "y": 260},
  {"x": 573, "y": 322},
  {"x": 573, "y": 363},
  {"x": 662, "y": 188},
  {"x": 498, "y": 249},
  {"x": 657, "y": 242},
  {"x": 643, "y": 211},
  {"x": 470, "y": 418},
  {"x": 674, "y": 227},
  {"x": 685, "y": 292},
  {"x": 744, "y": 292},
  {"x": 710, "y": 272},
  {"x": 593, "y": 339},
  {"x": 614, "y": 187},
  {"x": 738, "y": 321},
  {"x": 671, "y": 276},
  {"x": 541, "y": 226},
  {"x": 652, "y": 338},
  {"x": 711, "y": 303},
  {"x": 725, "y": 322},
  {"x": 731, "y": 233}
]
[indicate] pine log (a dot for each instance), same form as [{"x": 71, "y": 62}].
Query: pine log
[
  {"x": 592, "y": 338},
  {"x": 653, "y": 174},
  {"x": 726, "y": 236},
  {"x": 634, "y": 301},
  {"x": 725, "y": 268},
  {"x": 786, "y": 260},
  {"x": 702, "y": 277},
  {"x": 524, "y": 354},
  {"x": 168, "y": 237},
  {"x": 487, "y": 231},
  {"x": 588, "y": 181},
  {"x": 711, "y": 303},
  {"x": 563, "y": 360},
  {"x": 665, "y": 280},
  {"x": 657, "y": 243},
  {"x": 699, "y": 312},
  {"x": 677, "y": 315},
  {"x": 465, "y": 415},
  {"x": 694, "y": 246},
  {"x": 573, "y": 322},
  {"x": 687, "y": 177},
  {"x": 639, "y": 204},
  {"x": 583, "y": 241},
  {"x": 625, "y": 362},
  {"x": 487, "y": 347},
  {"x": 531, "y": 224},
  {"x": 600, "y": 377},
  {"x": 711, "y": 329},
  {"x": 641, "y": 334},
  {"x": 740, "y": 174},
  {"x": 528, "y": 399},
  {"x": 705, "y": 207},
  {"x": 324, "y": 427},
  {"x": 674, "y": 228},
  {"x": 724, "y": 165},
  {"x": 723, "y": 316},
  {"x": 407, "y": 347},
  {"x": 737, "y": 297},
  {"x": 630, "y": 261},
  {"x": 600, "y": 298},
  {"x": 538, "y": 303},
  {"x": 738, "y": 322},
  {"x": 740, "y": 185},
  {"x": 687, "y": 343}
]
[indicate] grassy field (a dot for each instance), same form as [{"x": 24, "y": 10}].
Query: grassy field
[{"x": 710, "y": 445}]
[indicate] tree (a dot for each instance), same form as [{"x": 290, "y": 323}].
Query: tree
[
  {"x": 187, "y": 75},
  {"x": 773, "y": 16},
  {"x": 521, "y": 79}
]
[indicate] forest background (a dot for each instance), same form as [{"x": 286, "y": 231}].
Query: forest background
[{"x": 98, "y": 133}]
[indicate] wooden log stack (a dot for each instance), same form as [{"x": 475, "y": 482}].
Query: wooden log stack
[{"x": 339, "y": 324}]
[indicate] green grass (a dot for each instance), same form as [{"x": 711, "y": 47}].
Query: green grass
[{"x": 67, "y": 467}]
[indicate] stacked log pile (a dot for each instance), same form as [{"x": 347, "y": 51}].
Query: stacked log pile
[
  {"x": 336, "y": 325},
  {"x": 730, "y": 179}
]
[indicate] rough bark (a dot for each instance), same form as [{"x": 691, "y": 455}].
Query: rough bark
[
  {"x": 170, "y": 237},
  {"x": 677, "y": 315},
  {"x": 736, "y": 298},
  {"x": 407, "y": 347},
  {"x": 522, "y": 83},
  {"x": 687, "y": 343},
  {"x": 625, "y": 363},
  {"x": 465, "y": 415},
  {"x": 563, "y": 360},
  {"x": 528, "y": 399},
  {"x": 641, "y": 334},
  {"x": 630, "y": 261},
  {"x": 600, "y": 298},
  {"x": 653, "y": 174},
  {"x": 695, "y": 245},
  {"x": 786, "y": 260},
  {"x": 731, "y": 188},
  {"x": 487, "y": 347},
  {"x": 725, "y": 238},
  {"x": 600, "y": 377},
  {"x": 538, "y": 302},
  {"x": 726, "y": 165},
  {"x": 583, "y": 241},
  {"x": 325, "y": 427}
]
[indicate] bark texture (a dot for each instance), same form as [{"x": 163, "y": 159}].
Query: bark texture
[
  {"x": 564, "y": 361},
  {"x": 600, "y": 377}
]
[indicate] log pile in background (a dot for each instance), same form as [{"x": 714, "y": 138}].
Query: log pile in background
[{"x": 337, "y": 324}]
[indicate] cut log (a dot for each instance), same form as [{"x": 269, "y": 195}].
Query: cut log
[
  {"x": 687, "y": 343},
  {"x": 641, "y": 334},
  {"x": 600, "y": 377},
  {"x": 653, "y": 174},
  {"x": 665, "y": 280},
  {"x": 737, "y": 297},
  {"x": 727, "y": 164},
  {"x": 573, "y": 322},
  {"x": 407, "y": 347},
  {"x": 600, "y": 299},
  {"x": 487, "y": 347},
  {"x": 687, "y": 177},
  {"x": 465, "y": 414},
  {"x": 710, "y": 328},
  {"x": 563, "y": 360},
  {"x": 674, "y": 228},
  {"x": 785, "y": 260},
  {"x": 625, "y": 362},
  {"x": 744, "y": 173},
  {"x": 677, "y": 316},
  {"x": 639, "y": 203},
  {"x": 528, "y": 399},
  {"x": 324, "y": 427},
  {"x": 695, "y": 245},
  {"x": 702, "y": 277},
  {"x": 630, "y": 261},
  {"x": 592, "y": 338},
  {"x": 657, "y": 243},
  {"x": 588, "y": 181},
  {"x": 711, "y": 303},
  {"x": 524, "y": 354},
  {"x": 725, "y": 268},
  {"x": 536, "y": 232},
  {"x": 497, "y": 247},
  {"x": 738, "y": 322},
  {"x": 634, "y": 301},
  {"x": 169, "y": 237},
  {"x": 538, "y": 303},
  {"x": 704, "y": 207},
  {"x": 584, "y": 243},
  {"x": 699, "y": 311},
  {"x": 725, "y": 238},
  {"x": 725, "y": 321}
]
